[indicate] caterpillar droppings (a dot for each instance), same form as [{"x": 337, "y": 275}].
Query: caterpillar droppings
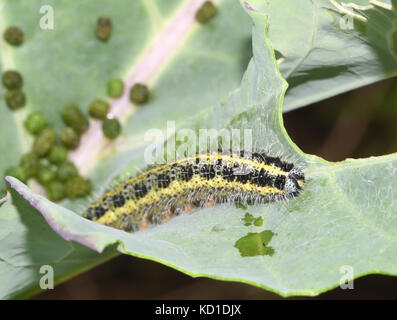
[{"x": 154, "y": 196}]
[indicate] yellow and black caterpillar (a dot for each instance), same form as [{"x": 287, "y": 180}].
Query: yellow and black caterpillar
[{"x": 155, "y": 195}]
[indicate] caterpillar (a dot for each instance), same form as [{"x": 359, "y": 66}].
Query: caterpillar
[{"x": 159, "y": 193}]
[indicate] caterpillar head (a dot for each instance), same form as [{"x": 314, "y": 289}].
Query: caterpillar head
[{"x": 295, "y": 182}]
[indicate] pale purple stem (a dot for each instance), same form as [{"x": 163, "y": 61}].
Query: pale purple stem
[
  {"x": 64, "y": 232},
  {"x": 161, "y": 50},
  {"x": 5, "y": 198},
  {"x": 248, "y": 6}
]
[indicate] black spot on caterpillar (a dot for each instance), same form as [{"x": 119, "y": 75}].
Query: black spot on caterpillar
[{"x": 155, "y": 195}]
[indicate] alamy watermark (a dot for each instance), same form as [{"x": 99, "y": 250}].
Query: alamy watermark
[
  {"x": 47, "y": 20},
  {"x": 47, "y": 278},
  {"x": 347, "y": 279},
  {"x": 170, "y": 145},
  {"x": 346, "y": 22}
]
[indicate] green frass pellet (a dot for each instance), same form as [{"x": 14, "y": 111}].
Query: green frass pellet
[
  {"x": 206, "y": 12},
  {"x": 111, "y": 128},
  {"x": 35, "y": 122},
  {"x": 78, "y": 187},
  {"x": 56, "y": 191},
  {"x": 30, "y": 163},
  {"x": 12, "y": 80},
  {"x": 70, "y": 138},
  {"x": 45, "y": 175},
  {"x": 14, "y": 36},
  {"x": 17, "y": 172},
  {"x": 99, "y": 109},
  {"x": 66, "y": 171},
  {"x": 139, "y": 93},
  {"x": 58, "y": 154},
  {"x": 103, "y": 28},
  {"x": 15, "y": 99},
  {"x": 44, "y": 142},
  {"x": 115, "y": 88},
  {"x": 75, "y": 119}
]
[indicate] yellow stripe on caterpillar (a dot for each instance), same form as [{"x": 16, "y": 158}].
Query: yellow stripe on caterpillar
[{"x": 159, "y": 193}]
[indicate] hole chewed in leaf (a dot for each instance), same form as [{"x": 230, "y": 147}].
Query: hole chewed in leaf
[{"x": 278, "y": 54}]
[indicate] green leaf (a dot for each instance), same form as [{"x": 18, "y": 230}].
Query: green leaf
[
  {"x": 28, "y": 242},
  {"x": 345, "y": 215},
  {"x": 327, "y": 48},
  {"x": 69, "y": 65}
]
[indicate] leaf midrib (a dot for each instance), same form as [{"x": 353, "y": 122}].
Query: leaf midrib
[{"x": 92, "y": 141}]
